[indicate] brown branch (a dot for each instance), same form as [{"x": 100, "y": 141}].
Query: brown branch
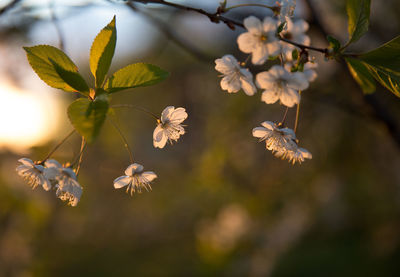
[{"x": 164, "y": 28}]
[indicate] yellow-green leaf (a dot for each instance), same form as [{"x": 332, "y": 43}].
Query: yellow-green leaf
[
  {"x": 102, "y": 52},
  {"x": 135, "y": 75},
  {"x": 358, "y": 18},
  {"x": 55, "y": 68},
  {"x": 361, "y": 74}
]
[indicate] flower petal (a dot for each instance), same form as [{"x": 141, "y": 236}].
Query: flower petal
[
  {"x": 122, "y": 181},
  {"x": 27, "y": 162},
  {"x": 159, "y": 137},
  {"x": 166, "y": 113},
  {"x": 260, "y": 54},
  {"x": 274, "y": 48},
  {"x": 260, "y": 132},
  {"x": 268, "y": 125},
  {"x": 133, "y": 168},
  {"x": 270, "y": 25},
  {"x": 248, "y": 86},
  {"x": 298, "y": 81},
  {"x": 269, "y": 96},
  {"x": 247, "y": 42},
  {"x": 231, "y": 83},
  {"x": 178, "y": 115},
  {"x": 226, "y": 64},
  {"x": 253, "y": 25},
  {"x": 52, "y": 163},
  {"x": 289, "y": 97},
  {"x": 149, "y": 175}
]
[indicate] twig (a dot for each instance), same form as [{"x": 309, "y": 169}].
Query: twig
[
  {"x": 57, "y": 146},
  {"x": 126, "y": 145},
  {"x": 9, "y": 6},
  {"x": 164, "y": 28}
]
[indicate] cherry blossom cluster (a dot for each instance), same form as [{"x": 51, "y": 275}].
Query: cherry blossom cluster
[
  {"x": 271, "y": 42},
  {"x": 50, "y": 174}
]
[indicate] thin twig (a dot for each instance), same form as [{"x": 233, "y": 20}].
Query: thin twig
[
  {"x": 9, "y": 6},
  {"x": 136, "y": 108},
  {"x": 80, "y": 156},
  {"x": 296, "y": 122},
  {"x": 126, "y": 145},
  {"x": 57, "y": 146}
]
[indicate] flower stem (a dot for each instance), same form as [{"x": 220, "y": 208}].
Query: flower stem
[
  {"x": 284, "y": 117},
  {"x": 57, "y": 146},
  {"x": 249, "y": 5},
  {"x": 297, "y": 115},
  {"x": 126, "y": 145},
  {"x": 137, "y": 108},
  {"x": 302, "y": 46},
  {"x": 80, "y": 156}
]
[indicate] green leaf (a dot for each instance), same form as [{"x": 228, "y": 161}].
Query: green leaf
[
  {"x": 333, "y": 43},
  {"x": 102, "y": 52},
  {"x": 55, "y": 68},
  {"x": 135, "y": 75},
  {"x": 386, "y": 78},
  {"x": 361, "y": 74},
  {"x": 281, "y": 27},
  {"x": 358, "y": 13},
  {"x": 386, "y": 56},
  {"x": 295, "y": 54},
  {"x": 88, "y": 116}
]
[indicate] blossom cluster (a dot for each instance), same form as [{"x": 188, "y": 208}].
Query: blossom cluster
[
  {"x": 50, "y": 174},
  {"x": 274, "y": 41}
]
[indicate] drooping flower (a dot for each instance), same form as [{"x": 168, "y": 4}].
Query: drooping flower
[
  {"x": 68, "y": 188},
  {"x": 135, "y": 179},
  {"x": 235, "y": 77},
  {"x": 295, "y": 32},
  {"x": 278, "y": 83},
  {"x": 281, "y": 141},
  {"x": 33, "y": 174},
  {"x": 260, "y": 39},
  {"x": 287, "y": 8},
  {"x": 169, "y": 127}
]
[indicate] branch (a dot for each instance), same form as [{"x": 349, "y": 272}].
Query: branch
[
  {"x": 9, "y": 6},
  {"x": 164, "y": 28}
]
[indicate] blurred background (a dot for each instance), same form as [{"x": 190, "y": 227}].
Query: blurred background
[{"x": 222, "y": 205}]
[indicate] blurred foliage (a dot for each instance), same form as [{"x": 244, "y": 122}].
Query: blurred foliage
[{"x": 222, "y": 205}]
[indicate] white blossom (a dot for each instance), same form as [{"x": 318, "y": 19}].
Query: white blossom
[
  {"x": 281, "y": 141},
  {"x": 278, "y": 83},
  {"x": 169, "y": 127},
  {"x": 295, "y": 31},
  {"x": 33, "y": 174},
  {"x": 308, "y": 70},
  {"x": 260, "y": 39},
  {"x": 135, "y": 179},
  {"x": 235, "y": 77},
  {"x": 68, "y": 188}
]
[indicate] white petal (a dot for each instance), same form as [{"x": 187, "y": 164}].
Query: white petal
[
  {"x": 260, "y": 132},
  {"x": 27, "y": 162},
  {"x": 270, "y": 25},
  {"x": 178, "y": 116},
  {"x": 70, "y": 172},
  {"x": 166, "y": 113},
  {"x": 289, "y": 97},
  {"x": 247, "y": 42},
  {"x": 231, "y": 83},
  {"x": 305, "y": 153},
  {"x": 159, "y": 137},
  {"x": 46, "y": 184},
  {"x": 265, "y": 80},
  {"x": 260, "y": 54},
  {"x": 52, "y": 163},
  {"x": 149, "y": 175},
  {"x": 133, "y": 168},
  {"x": 298, "y": 81},
  {"x": 122, "y": 181},
  {"x": 300, "y": 26},
  {"x": 310, "y": 74},
  {"x": 289, "y": 133},
  {"x": 269, "y": 96},
  {"x": 277, "y": 72},
  {"x": 268, "y": 125},
  {"x": 253, "y": 25},
  {"x": 248, "y": 86},
  {"x": 226, "y": 64}
]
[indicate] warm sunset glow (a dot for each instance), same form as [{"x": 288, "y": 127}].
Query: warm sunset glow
[{"x": 26, "y": 119}]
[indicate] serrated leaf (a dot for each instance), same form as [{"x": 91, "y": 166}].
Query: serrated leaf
[
  {"x": 386, "y": 78},
  {"x": 358, "y": 18},
  {"x": 102, "y": 52},
  {"x": 386, "y": 56},
  {"x": 333, "y": 43},
  {"x": 88, "y": 116},
  {"x": 361, "y": 74},
  {"x": 44, "y": 59},
  {"x": 135, "y": 75},
  {"x": 73, "y": 79}
]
